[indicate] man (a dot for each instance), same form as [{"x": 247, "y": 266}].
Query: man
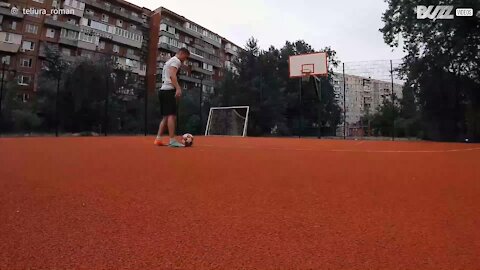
[{"x": 168, "y": 95}]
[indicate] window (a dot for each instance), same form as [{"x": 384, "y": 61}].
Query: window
[
  {"x": 55, "y": 3},
  {"x": 116, "y": 48},
  {"x": 163, "y": 39},
  {"x": 87, "y": 37},
  {"x": 24, "y": 80},
  {"x": 207, "y": 67},
  {"x": 87, "y": 54},
  {"x": 134, "y": 14},
  {"x": 71, "y": 21},
  {"x": 122, "y": 9},
  {"x": 69, "y": 34},
  {"x": 25, "y": 97},
  {"x": 30, "y": 28},
  {"x": 99, "y": 26},
  {"x": 6, "y": 59},
  {"x": 163, "y": 27},
  {"x": 28, "y": 45},
  {"x": 105, "y": 17},
  {"x": 35, "y": 14},
  {"x": 90, "y": 12},
  {"x": 133, "y": 26},
  {"x": 130, "y": 51},
  {"x": 119, "y": 23},
  {"x": 13, "y": 26},
  {"x": 101, "y": 45},
  {"x": 185, "y": 86},
  {"x": 66, "y": 51},
  {"x": 174, "y": 42},
  {"x": 39, "y": 1},
  {"x": 26, "y": 62},
  {"x": 50, "y": 33}
]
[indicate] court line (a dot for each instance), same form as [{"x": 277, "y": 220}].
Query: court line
[{"x": 346, "y": 150}]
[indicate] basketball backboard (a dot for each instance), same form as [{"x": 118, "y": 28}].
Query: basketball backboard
[{"x": 308, "y": 64}]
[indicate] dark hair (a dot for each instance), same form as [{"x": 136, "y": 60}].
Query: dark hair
[{"x": 184, "y": 50}]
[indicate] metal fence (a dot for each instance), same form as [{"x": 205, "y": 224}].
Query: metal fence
[{"x": 358, "y": 100}]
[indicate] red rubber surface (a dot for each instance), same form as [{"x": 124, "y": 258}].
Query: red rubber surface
[{"x": 234, "y": 203}]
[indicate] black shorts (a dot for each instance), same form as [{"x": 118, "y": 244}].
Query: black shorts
[{"x": 168, "y": 102}]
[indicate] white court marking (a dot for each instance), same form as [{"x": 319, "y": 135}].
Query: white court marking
[{"x": 346, "y": 150}]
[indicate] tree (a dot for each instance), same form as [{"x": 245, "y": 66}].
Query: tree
[
  {"x": 261, "y": 81},
  {"x": 443, "y": 63}
]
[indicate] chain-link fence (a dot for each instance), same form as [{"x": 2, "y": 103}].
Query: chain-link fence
[
  {"x": 357, "y": 100},
  {"x": 370, "y": 95},
  {"x": 89, "y": 97}
]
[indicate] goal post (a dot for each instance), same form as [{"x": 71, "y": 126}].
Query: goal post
[{"x": 228, "y": 121}]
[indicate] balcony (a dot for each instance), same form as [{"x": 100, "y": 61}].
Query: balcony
[
  {"x": 231, "y": 51},
  {"x": 114, "y": 10},
  {"x": 127, "y": 41},
  {"x": 124, "y": 14},
  {"x": 207, "y": 50},
  {"x": 60, "y": 24},
  {"x": 77, "y": 10},
  {"x": 189, "y": 79},
  {"x": 201, "y": 70},
  {"x": 168, "y": 47},
  {"x": 208, "y": 83},
  {"x": 12, "y": 45},
  {"x": 211, "y": 41},
  {"x": 67, "y": 41},
  {"x": 166, "y": 33},
  {"x": 162, "y": 58},
  {"x": 99, "y": 5},
  {"x": 132, "y": 56}
]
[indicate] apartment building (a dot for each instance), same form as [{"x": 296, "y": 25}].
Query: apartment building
[
  {"x": 140, "y": 39},
  {"x": 210, "y": 53},
  {"x": 90, "y": 28},
  {"x": 362, "y": 95}
]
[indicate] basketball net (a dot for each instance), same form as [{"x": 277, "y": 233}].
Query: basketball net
[{"x": 306, "y": 76}]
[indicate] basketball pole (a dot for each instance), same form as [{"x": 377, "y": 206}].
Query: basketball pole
[
  {"x": 300, "y": 110},
  {"x": 344, "y": 106},
  {"x": 393, "y": 102}
]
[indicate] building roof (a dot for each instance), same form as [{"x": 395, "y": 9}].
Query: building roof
[{"x": 164, "y": 9}]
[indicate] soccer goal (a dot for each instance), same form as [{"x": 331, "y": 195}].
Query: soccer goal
[{"x": 228, "y": 121}]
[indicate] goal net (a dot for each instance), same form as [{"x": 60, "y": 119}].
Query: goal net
[{"x": 228, "y": 121}]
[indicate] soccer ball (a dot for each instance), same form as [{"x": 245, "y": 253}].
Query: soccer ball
[{"x": 187, "y": 139}]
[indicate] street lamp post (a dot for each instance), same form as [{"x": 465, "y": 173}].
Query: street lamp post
[
  {"x": 200, "y": 102},
  {"x": 57, "y": 102},
  {"x": 1, "y": 89},
  {"x": 58, "y": 74}
]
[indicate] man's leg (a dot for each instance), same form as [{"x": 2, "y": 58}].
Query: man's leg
[
  {"x": 171, "y": 126},
  {"x": 161, "y": 130},
  {"x": 171, "y": 131},
  {"x": 162, "y": 127}
]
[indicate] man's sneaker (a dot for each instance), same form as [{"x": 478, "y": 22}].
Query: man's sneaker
[
  {"x": 158, "y": 142},
  {"x": 176, "y": 144}
]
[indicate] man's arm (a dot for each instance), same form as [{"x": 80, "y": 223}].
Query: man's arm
[{"x": 173, "y": 78}]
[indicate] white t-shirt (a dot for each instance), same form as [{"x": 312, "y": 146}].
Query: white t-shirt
[{"x": 166, "y": 81}]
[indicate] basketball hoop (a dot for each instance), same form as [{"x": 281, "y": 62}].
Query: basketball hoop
[{"x": 307, "y": 65}]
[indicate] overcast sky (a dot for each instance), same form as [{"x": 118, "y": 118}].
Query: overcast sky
[{"x": 349, "y": 26}]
